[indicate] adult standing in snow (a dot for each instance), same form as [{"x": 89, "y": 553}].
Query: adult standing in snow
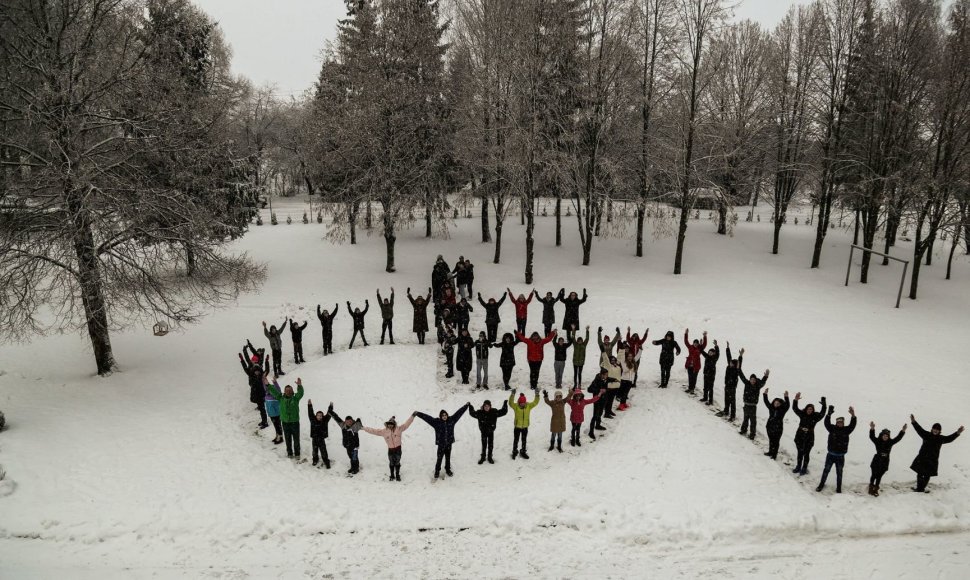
[
  {"x": 448, "y": 350},
  {"x": 276, "y": 346},
  {"x": 296, "y": 333},
  {"x": 731, "y": 374},
  {"x": 557, "y": 423},
  {"x": 560, "y": 346},
  {"x": 628, "y": 374},
  {"x": 805, "y": 435},
  {"x": 606, "y": 345},
  {"x": 507, "y": 360},
  {"x": 614, "y": 378},
  {"x": 487, "y": 418},
  {"x": 392, "y": 434},
  {"x": 570, "y": 319},
  {"x": 273, "y": 409},
  {"x": 462, "y": 314},
  {"x": 749, "y": 400},
  {"x": 326, "y": 322},
  {"x": 349, "y": 430},
  {"x": 634, "y": 344},
  {"x": 387, "y": 316},
  {"x": 837, "y": 448},
  {"x": 463, "y": 277},
  {"x": 482, "y": 346},
  {"x": 492, "y": 318},
  {"x": 710, "y": 373},
  {"x": 420, "y": 323},
  {"x": 667, "y": 347},
  {"x": 521, "y": 309},
  {"x": 464, "y": 359},
  {"x": 927, "y": 461},
  {"x": 775, "y": 425},
  {"x": 693, "y": 362},
  {"x": 548, "y": 308},
  {"x": 290, "y": 415},
  {"x": 534, "y": 354},
  {"x": 319, "y": 431},
  {"x": 358, "y": 316},
  {"x": 577, "y": 405},
  {"x": 579, "y": 357},
  {"x": 880, "y": 461},
  {"x": 598, "y": 389},
  {"x": 444, "y": 435},
  {"x": 255, "y": 373},
  {"x": 522, "y": 410},
  {"x": 439, "y": 278}
]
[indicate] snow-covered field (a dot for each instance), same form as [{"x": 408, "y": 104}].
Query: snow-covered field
[{"x": 158, "y": 471}]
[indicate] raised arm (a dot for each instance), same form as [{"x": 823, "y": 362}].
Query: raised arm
[
  {"x": 480, "y": 301},
  {"x": 282, "y": 327},
  {"x": 319, "y": 313},
  {"x": 503, "y": 410},
  {"x": 366, "y": 307},
  {"x": 951, "y": 437},
  {"x": 457, "y": 415},
  {"x": 501, "y": 300},
  {"x": 336, "y": 306},
  {"x": 406, "y": 424}
]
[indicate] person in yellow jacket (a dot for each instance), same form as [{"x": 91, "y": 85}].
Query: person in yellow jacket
[{"x": 522, "y": 409}]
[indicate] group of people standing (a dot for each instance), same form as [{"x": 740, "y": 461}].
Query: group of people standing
[{"x": 610, "y": 389}]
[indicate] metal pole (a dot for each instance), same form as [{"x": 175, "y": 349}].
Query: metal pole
[
  {"x": 848, "y": 270},
  {"x": 902, "y": 281}
]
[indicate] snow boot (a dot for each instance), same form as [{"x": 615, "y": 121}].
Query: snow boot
[
  {"x": 481, "y": 460},
  {"x": 449, "y": 473},
  {"x": 263, "y": 425},
  {"x": 516, "y": 454},
  {"x": 326, "y": 464},
  {"x": 490, "y": 459},
  {"x": 559, "y": 447},
  {"x": 524, "y": 454},
  {"x": 875, "y": 490},
  {"x": 437, "y": 475},
  {"x": 314, "y": 463}
]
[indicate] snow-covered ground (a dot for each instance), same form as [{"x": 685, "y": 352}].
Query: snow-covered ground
[{"x": 158, "y": 471}]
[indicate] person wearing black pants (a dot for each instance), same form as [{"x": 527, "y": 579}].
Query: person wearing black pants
[
  {"x": 319, "y": 431},
  {"x": 350, "y": 429},
  {"x": 837, "y": 448},
  {"x": 276, "y": 346},
  {"x": 710, "y": 372},
  {"x": 448, "y": 349},
  {"x": 462, "y": 314},
  {"x": 548, "y": 309},
  {"x": 776, "y": 422},
  {"x": 667, "y": 348},
  {"x": 808, "y": 418},
  {"x": 731, "y": 385},
  {"x": 387, "y": 316},
  {"x": 358, "y": 316},
  {"x": 296, "y": 333},
  {"x": 492, "y": 318},
  {"x": 880, "y": 461},
  {"x": 927, "y": 460},
  {"x": 419, "y": 324},
  {"x": 507, "y": 359},
  {"x": 487, "y": 418},
  {"x": 463, "y": 360},
  {"x": 326, "y": 322},
  {"x": 570, "y": 319},
  {"x": 255, "y": 372},
  {"x": 521, "y": 309},
  {"x": 749, "y": 400},
  {"x": 444, "y": 435},
  {"x": 598, "y": 389}
]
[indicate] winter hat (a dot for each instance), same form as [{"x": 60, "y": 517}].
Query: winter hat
[
  {"x": 391, "y": 421},
  {"x": 937, "y": 426},
  {"x": 254, "y": 359},
  {"x": 522, "y": 399},
  {"x": 884, "y": 432},
  {"x": 558, "y": 394}
]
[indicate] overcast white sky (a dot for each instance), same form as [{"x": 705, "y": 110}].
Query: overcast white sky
[{"x": 279, "y": 42}]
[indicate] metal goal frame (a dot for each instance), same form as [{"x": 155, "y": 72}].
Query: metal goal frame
[{"x": 902, "y": 279}]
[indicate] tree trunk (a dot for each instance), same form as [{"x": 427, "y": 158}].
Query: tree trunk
[
  {"x": 681, "y": 236},
  {"x": 776, "y": 235},
  {"x": 486, "y": 233},
  {"x": 821, "y": 226},
  {"x": 722, "y": 218},
  {"x": 389, "y": 239},
  {"x": 929, "y": 249},
  {"x": 427, "y": 215},
  {"x": 91, "y": 285},
  {"x": 529, "y": 243},
  {"x": 599, "y": 218},
  {"x": 367, "y": 216},
  {"x": 869, "y": 226},
  {"x": 558, "y": 218},
  {"x": 521, "y": 212},
  {"x": 189, "y": 262},
  {"x": 953, "y": 249},
  {"x": 855, "y": 235},
  {"x": 352, "y": 210},
  {"x": 498, "y": 239},
  {"x": 641, "y": 214}
]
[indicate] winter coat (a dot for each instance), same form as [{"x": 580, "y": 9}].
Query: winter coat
[
  {"x": 614, "y": 374},
  {"x": 296, "y": 331},
  {"x": 805, "y": 435},
  {"x": 391, "y": 436},
  {"x": 880, "y": 461},
  {"x": 255, "y": 373},
  {"x": 351, "y": 437},
  {"x": 548, "y": 309},
  {"x": 521, "y": 306},
  {"x": 572, "y": 309},
  {"x": 448, "y": 345},
  {"x": 488, "y": 419},
  {"x": 319, "y": 430},
  {"x": 444, "y": 431},
  {"x": 558, "y": 422},
  {"x": 420, "y": 323},
  {"x": 481, "y": 348},
  {"x": 731, "y": 375},
  {"x": 508, "y": 352},
  {"x": 358, "y": 316},
  {"x": 560, "y": 349},
  {"x": 463, "y": 362},
  {"x": 635, "y": 344},
  {"x": 289, "y": 405},
  {"x": 491, "y": 310},
  {"x": 751, "y": 390},
  {"x": 579, "y": 351},
  {"x": 577, "y": 408},
  {"x": 667, "y": 348},
  {"x": 927, "y": 461},
  {"x": 693, "y": 361},
  {"x": 275, "y": 340},
  {"x": 629, "y": 373},
  {"x": 534, "y": 347},
  {"x": 387, "y": 310},
  {"x": 439, "y": 278},
  {"x": 271, "y": 403},
  {"x": 462, "y": 310},
  {"x": 327, "y": 321},
  {"x": 463, "y": 276},
  {"x": 604, "y": 347},
  {"x": 710, "y": 361},
  {"x": 838, "y": 436},
  {"x": 776, "y": 416},
  {"x": 522, "y": 414}
]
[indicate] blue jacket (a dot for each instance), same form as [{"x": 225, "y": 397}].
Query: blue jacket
[{"x": 444, "y": 431}]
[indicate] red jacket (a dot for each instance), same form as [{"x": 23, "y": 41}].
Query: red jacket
[
  {"x": 534, "y": 352},
  {"x": 694, "y": 353},
  {"x": 521, "y": 307},
  {"x": 635, "y": 345},
  {"x": 576, "y": 414}
]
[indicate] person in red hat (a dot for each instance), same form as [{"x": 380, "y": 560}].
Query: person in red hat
[
  {"x": 577, "y": 405},
  {"x": 522, "y": 409},
  {"x": 534, "y": 353}
]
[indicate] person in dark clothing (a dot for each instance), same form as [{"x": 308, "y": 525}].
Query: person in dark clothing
[
  {"x": 731, "y": 384},
  {"x": 276, "y": 346},
  {"x": 358, "y": 316},
  {"x": 448, "y": 349},
  {"x": 837, "y": 448},
  {"x": 349, "y": 428},
  {"x": 482, "y": 346},
  {"x": 710, "y": 373},
  {"x": 462, "y": 316},
  {"x": 927, "y": 461},
  {"x": 579, "y": 356},
  {"x": 570, "y": 319},
  {"x": 420, "y": 324},
  {"x": 296, "y": 333},
  {"x": 598, "y": 389},
  {"x": 326, "y": 321},
  {"x": 775, "y": 425},
  {"x": 667, "y": 348},
  {"x": 805, "y": 435},
  {"x": 521, "y": 309},
  {"x": 387, "y": 316},
  {"x": 444, "y": 435},
  {"x": 440, "y": 278},
  {"x": 249, "y": 351},
  {"x": 319, "y": 431},
  {"x": 492, "y": 318},
  {"x": 463, "y": 361},
  {"x": 445, "y": 324},
  {"x": 470, "y": 272},
  {"x": 880, "y": 461},
  {"x": 693, "y": 362},
  {"x": 548, "y": 310},
  {"x": 749, "y": 400},
  {"x": 255, "y": 373},
  {"x": 560, "y": 346},
  {"x": 463, "y": 278},
  {"x": 507, "y": 360},
  {"x": 487, "y": 418}
]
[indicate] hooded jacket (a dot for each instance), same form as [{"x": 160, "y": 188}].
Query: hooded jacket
[
  {"x": 521, "y": 306},
  {"x": 927, "y": 461},
  {"x": 289, "y": 405},
  {"x": 444, "y": 430},
  {"x": 488, "y": 419},
  {"x": 667, "y": 348},
  {"x": 522, "y": 414},
  {"x": 319, "y": 430},
  {"x": 838, "y": 436},
  {"x": 557, "y": 424},
  {"x": 776, "y": 415},
  {"x": 491, "y": 309},
  {"x": 577, "y": 408},
  {"x": 693, "y": 361}
]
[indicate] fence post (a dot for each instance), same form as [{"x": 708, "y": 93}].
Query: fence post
[
  {"x": 902, "y": 281},
  {"x": 848, "y": 270}
]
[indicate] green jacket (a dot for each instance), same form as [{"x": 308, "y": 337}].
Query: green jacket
[
  {"x": 522, "y": 413},
  {"x": 579, "y": 351},
  {"x": 289, "y": 406}
]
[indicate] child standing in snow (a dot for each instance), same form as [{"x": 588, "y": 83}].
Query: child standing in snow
[
  {"x": 290, "y": 415},
  {"x": 349, "y": 428},
  {"x": 255, "y": 372},
  {"x": 296, "y": 333},
  {"x": 392, "y": 434},
  {"x": 837, "y": 448},
  {"x": 693, "y": 363},
  {"x": 358, "y": 316},
  {"x": 444, "y": 435},
  {"x": 598, "y": 389},
  {"x": 522, "y": 410},
  {"x": 776, "y": 422},
  {"x": 927, "y": 460},
  {"x": 448, "y": 349},
  {"x": 710, "y": 373},
  {"x": 577, "y": 405},
  {"x": 487, "y": 418},
  {"x": 731, "y": 384},
  {"x": 667, "y": 347},
  {"x": 749, "y": 400},
  {"x": 534, "y": 346},
  {"x": 570, "y": 320},
  {"x": 326, "y": 322},
  {"x": 387, "y": 316},
  {"x": 805, "y": 436},
  {"x": 273, "y": 408},
  {"x": 420, "y": 323},
  {"x": 319, "y": 431},
  {"x": 276, "y": 346},
  {"x": 557, "y": 423},
  {"x": 548, "y": 308},
  {"x": 880, "y": 461},
  {"x": 492, "y": 318},
  {"x": 560, "y": 346},
  {"x": 507, "y": 360},
  {"x": 482, "y": 346},
  {"x": 628, "y": 374},
  {"x": 521, "y": 309},
  {"x": 463, "y": 360}
]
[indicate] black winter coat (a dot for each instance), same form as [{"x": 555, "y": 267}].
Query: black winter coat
[
  {"x": 358, "y": 316},
  {"x": 444, "y": 431},
  {"x": 488, "y": 419},
  {"x": 318, "y": 429},
  {"x": 880, "y": 461},
  {"x": 572, "y": 310},
  {"x": 838, "y": 436},
  {"x": 255, "y": 373},
  {"x": 491, "y": 310},
  {"x": 710, "y": 361},
  {"x": 667, "y": 348},
  {"x": 296, "y": 331},
  {"x": 776, "y": 416},
  {"x": 508, "y": 353},
  {"x": 461, "y": 311},
  {"x": 548, "y": 309},
  {"x": 805, "y": 435},
  {"x": 420, "y": 322},
  {"x": 561, "y": 349},
  {"x": 327, "y": 321},
  {"x": 927, "y": 461},
  {"x": 351, "y": 437},
  {"x": 481, "y": 348},
  {"x": 731, "y": 373},
  {"x": 751, "y": 390},
  {"x": 463, "y": 361}
]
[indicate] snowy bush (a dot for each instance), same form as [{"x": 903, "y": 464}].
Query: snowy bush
[
  {"x": 289, "y": 220},
  {"x": 272, "y": 218}
]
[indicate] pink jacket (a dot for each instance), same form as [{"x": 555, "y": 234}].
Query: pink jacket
[
  {"x": 391, "y": 437},
  {"x": 576, "y": 414}
]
